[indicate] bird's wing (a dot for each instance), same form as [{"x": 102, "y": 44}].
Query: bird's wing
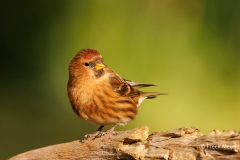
[
  {"x": 122, "y": 87},
  {"x": 138, "y": 85}
]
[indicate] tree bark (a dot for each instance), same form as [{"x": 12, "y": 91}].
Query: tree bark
[{"x": 182, "y": 143}]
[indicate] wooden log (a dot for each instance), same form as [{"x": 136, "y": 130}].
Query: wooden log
[{"x": 182, "y": 143}]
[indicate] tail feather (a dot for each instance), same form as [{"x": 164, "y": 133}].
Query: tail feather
[
  {"x": 138, "y": 85},
  {"x": 150, "y": 95}
]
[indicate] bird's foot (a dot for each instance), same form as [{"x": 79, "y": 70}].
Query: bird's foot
[
  {"x": 86, "y": 136},
  {"x": 95, "y": 135},
  {"x": 99, "y": 134}
]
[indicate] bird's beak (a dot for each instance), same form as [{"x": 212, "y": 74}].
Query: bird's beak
[{"x": 99, "y": 66}]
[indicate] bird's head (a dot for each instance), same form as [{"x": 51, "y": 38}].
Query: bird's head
[{"x": 87, "y": 62}]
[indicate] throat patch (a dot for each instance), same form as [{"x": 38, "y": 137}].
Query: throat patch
[{"x": 99, "y": 73}]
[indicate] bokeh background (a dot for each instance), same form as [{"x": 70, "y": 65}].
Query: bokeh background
[{"x": 191, "y": 49}]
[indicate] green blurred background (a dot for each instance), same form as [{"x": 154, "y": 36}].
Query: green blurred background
[{"x": 191, "y": 49}]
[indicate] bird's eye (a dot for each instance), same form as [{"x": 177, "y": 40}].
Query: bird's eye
[{"x": 86, "y": 64}]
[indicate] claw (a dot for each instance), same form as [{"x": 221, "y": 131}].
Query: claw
[
  {"x": 100, "y": 134},
  {"x": 95, "y": 135},
  {"x": 86, "y": 136}
]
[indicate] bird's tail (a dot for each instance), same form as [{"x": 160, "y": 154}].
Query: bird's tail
[
  {"x": 138, "y": 85},
  {"x": 150, "y": 95}
]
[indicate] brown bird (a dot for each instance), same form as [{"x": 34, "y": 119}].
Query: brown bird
[{"x": 99, "y": 95}]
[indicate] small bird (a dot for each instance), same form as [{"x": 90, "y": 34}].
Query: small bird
[{"x": 99, "y": 95}]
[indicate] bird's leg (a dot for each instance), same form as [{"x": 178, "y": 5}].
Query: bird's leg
[
  {"x": 100, "y": 128},
  {"x": 112, "y": 128},
  {"x": 95, "y": 134},
  {"x": 100, "y": 134}
]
